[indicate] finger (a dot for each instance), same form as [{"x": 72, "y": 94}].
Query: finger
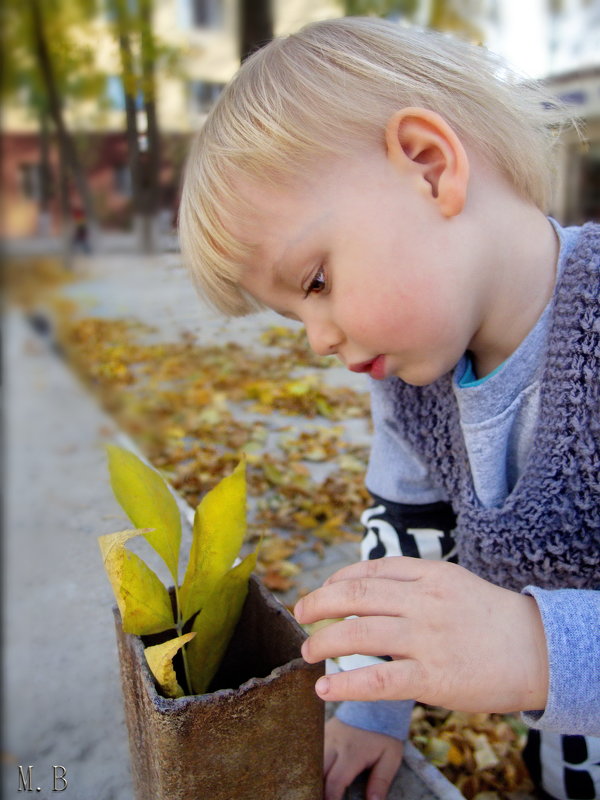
[
  {"x": 369, "y": 636},
  {"x": 362, "y": 596},
  {"x": 329, "y": 757},
  {"x": 399, "y": 568},
  {"x": 392, "y": 680},
  {"x": 340, "y": 776},
  {"x": 383, "y": 773}
]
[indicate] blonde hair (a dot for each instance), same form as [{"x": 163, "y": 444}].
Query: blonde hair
[{"x": 328, "y": 87}]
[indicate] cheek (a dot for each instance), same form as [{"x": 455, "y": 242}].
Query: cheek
[
  {"x": 422, "y": 322},
  {"x": 427, "y": 304},
  {"x": 405, "y": 311},
  {"x": 379, "y": 326}
]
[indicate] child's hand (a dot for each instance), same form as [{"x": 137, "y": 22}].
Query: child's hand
[
  {"x": 458, "y": 641},
  {"x": 350, "y": 750}
]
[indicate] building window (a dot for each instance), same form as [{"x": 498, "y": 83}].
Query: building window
[
  {"x": 206, "y": 13},
  {"x": 122, "y": 179},
  {"x": 30, "y": 181},
  {"x": 115, "y": 94},
  {"x": 204, "y": 94}
]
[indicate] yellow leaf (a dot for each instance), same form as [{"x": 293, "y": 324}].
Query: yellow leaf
[
  {"x": 219, "y": 530},
  {"x": 148, "y": 502},
  {"x": 276, "y": 548},
  {"x": 160, "y": 660},
  {"x": 323, "y": 407},
  {"x": 484, "y": 754},
  {"x": 142, "y": 599},
  {"x": 455, "y": 757},
  {"x": 272, "y": 474},
  {"x": 350, "y": 463},
  {"x": 437, "y": 751},
  {"x": 288, "y": 569},
  {"x": 215, "y": 624},
  {"x": 175, "y": 431},
  {"x": 300, "y": 387},
  {"x": 313, "y": 627}
]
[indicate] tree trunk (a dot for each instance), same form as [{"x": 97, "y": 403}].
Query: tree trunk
[
  {"x": 68, "y": 149},
  {"x": 152, "y": 161},
  {"x": 256, "y": 25},
  {"x": 45, "y": 176},
  {"x": 130, "y": 89},
  {"x": 65, "y": 206},
  {"x": 139, "y": 78}
]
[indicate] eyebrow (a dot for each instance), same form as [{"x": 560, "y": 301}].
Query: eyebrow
[{"x": 278, "y": 267}]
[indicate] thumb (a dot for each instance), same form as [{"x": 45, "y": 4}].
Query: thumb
[{"x": 383, "y": 773}]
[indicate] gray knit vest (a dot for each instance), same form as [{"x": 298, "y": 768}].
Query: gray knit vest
[{"x": 547, "y": 532}]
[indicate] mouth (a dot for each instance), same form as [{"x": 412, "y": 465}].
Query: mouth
[{"x": 375, "y": 367}]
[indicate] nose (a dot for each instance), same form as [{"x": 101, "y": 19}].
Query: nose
[{"x": 324, "y": 336}]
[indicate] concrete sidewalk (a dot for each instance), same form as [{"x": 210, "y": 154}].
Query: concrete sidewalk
[
  {"x": 62, "y": 697},
  {"x": 60, "y": 672}
]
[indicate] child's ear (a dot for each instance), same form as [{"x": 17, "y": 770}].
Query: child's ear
[{"x": 420, "y": 142}]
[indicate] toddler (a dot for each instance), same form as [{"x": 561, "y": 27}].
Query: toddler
[{"x": 387, "y": 187}]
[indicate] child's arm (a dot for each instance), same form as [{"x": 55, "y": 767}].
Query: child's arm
[{"x": 462, "y": 642}]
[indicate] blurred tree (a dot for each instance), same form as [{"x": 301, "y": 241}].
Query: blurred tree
[
  {"x": 68, "y": 149},
  {"x": 46, "y": 188},
  {"x": 140, "y": 53},
  {"x": 49, "y": 65},
  {"x": 456, "y": 16},
  {"x": 256, "y": 25},
  {"x": 130, "y": 91},
  {"x": 382, "y": 8},
  {"x": 150, "y": 182}
]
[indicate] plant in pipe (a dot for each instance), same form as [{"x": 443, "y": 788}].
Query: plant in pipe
[{"x": 209, "y": 602}]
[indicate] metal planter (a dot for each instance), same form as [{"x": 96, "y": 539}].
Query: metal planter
[{"x": 257, "y": 734}]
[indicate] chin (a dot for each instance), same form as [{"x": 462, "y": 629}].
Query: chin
[
  {"x": 419, "y": 381},
  {"x": 421, "y": 377}
]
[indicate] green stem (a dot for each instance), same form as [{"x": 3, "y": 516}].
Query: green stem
[{"x": 183, "y": 649}]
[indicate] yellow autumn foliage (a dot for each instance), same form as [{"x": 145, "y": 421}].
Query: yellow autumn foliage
[
  {"x": 142, "y": 599},
  {"x": 211, "y": 587},
  {"x": 219, "y": 530},
  {"x": 215, "y": 624},
  {"x": 147, "y": 501},
  {"x": 160, "y": 660}
]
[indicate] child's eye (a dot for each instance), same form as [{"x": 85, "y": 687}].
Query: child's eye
[{"x": 317, "y": 283}]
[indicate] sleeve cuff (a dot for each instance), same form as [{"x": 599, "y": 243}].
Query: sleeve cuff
[
  {"x": 391, "y": 717},
  {"x": 571, "y": 619}
]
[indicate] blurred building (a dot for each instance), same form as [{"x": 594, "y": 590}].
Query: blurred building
[
  {"x": 203, "y": 39},
  {"x": 577, "y": 191},
  {"x": 574, "y": 66}
]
